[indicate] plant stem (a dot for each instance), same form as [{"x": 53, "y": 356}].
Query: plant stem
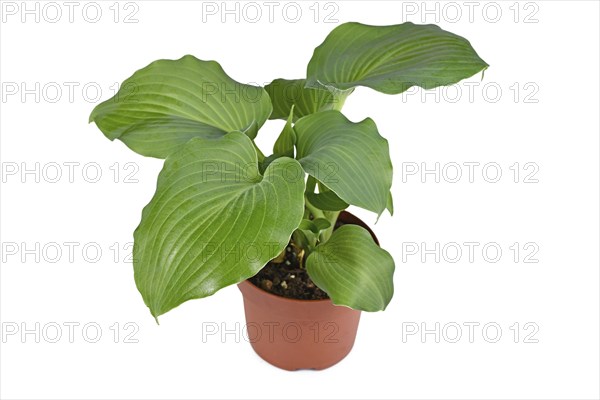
[
  {"x": 313, "y": 210},
  {"x": 340, "y": 99},
  {"x": 311, "y": 184},
  {"x": 332, "y": 217}
]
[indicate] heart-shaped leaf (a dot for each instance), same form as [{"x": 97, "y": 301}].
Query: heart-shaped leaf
[
  {"x": 287, "y": 93},
  {"x": 214, "y": 220},
  {"x": 165, "y": 104},
  {"x": 351, "y": 159},
  {"x": 353, "y": 270},
  {"x": 391, "y": 59}
]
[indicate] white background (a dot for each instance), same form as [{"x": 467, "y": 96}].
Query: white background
[{"x": 552, "y": 122}]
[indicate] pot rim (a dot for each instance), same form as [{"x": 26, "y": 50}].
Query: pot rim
[{"x": 247, "y": 283}]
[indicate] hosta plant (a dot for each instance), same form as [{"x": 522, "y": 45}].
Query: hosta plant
[{"x": 222, "y": 209}]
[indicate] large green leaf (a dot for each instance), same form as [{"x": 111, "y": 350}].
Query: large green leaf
[
  {"x": 353, "y": 270},
  {"x": 287, "y": 93},
  {"x": 214, "y": 220},
  {"x": 391, "y": 59},
  {"x": 165, "y": 104},
  {"x": 351, "y": 159}
]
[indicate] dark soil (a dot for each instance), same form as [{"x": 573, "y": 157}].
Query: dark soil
[{"x": 288, "y": 279}]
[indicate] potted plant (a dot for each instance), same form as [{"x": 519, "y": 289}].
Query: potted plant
[{"x": 224, "y": 213}]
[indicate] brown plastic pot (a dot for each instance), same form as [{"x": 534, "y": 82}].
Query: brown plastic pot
[{"x": 300, "y": 334}]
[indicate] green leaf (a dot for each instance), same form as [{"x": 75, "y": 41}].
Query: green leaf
[
  {"x": 391, "y": 59},
  {"x": 162, "y": 106},
  {"x": 328, "y": 201},
  {"x": 351, "y": 159},
  {"x": 353, "y": 270},
  {"x": 321, "y": 223},
  {"x": 390, "y": 204},
  {"x": 284, "y": 145},
  {"x": 214, "y": 220},
  {"x": 310, "y": 231},
  {"x": 308, "y": 234},
  {"x": 308, "y": 225},
  {"x": 302, "y": 241},
  {"x": 262, "y": 165},
  {"x": 287, "y": 93}
]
